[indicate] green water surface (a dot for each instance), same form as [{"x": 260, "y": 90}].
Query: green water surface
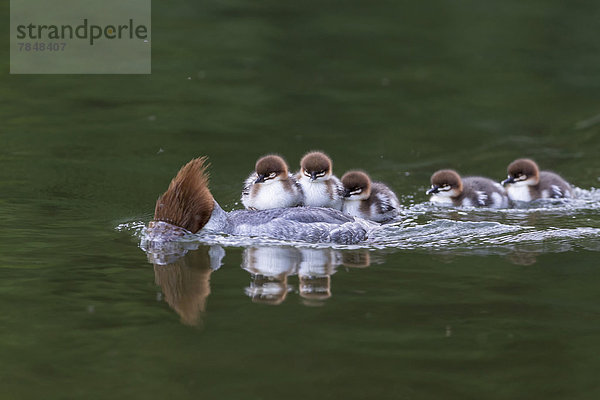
[{"x": 399, "y": 88}]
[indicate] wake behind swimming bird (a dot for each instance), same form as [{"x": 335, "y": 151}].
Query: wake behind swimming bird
[{"x": 187, "y": 215}]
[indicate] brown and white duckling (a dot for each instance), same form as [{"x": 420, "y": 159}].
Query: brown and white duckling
[
  {"x": 368, "y": 200},
  {"x": 448, "y": 188},
  {"x": 271, "y": 186},
  {"x": 525, "y": 182},
  {"x": 320, "y": 187}
]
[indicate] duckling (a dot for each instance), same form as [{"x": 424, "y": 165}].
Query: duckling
[
  {"x": 447, "y": 187},
  {"x": 525, "y": 182},
  {"x": 320, "y": 187},
  {"x": 271, "y": 186},
  {"x": 368, "y": 200}
]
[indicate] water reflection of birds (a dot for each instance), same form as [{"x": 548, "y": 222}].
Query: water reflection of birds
[
  {"x": 270, "y": 268},
  {"x": 185, "y": 281},
  {"x": 183, "y": 274},
  {"x": 314, "y": 274}
]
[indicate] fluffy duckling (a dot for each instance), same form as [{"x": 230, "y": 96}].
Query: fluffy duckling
[
  {"x": 368, "y": 200},
  {"x": 525, "y": 182},
  {"x": 447, "y": 187},
  {"x": 271, "y": 186},
  {"x": 320, "y": 187}
]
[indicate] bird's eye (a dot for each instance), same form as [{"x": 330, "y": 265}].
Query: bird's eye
[{"x": 272, "y": 175}]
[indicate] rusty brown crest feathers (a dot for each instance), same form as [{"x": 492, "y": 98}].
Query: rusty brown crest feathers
[
  {"x": 316, "y": 161},
  {"x": 356, "y": 179},
  {"x": 187, "y": 202},
  {"x": 523, "y": 166},
  {"x": 447, "y": 177},
  {"x": 271, "y": 163}
]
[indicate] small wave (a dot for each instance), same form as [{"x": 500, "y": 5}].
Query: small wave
[
  {"x": 540, "y": 226},
  {"x": 583, "y": 200},
  {"x": 136, "y": 228},
  {"x": 459, "y": 235}
]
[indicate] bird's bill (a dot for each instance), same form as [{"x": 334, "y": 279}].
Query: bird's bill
[
  {"x": 260, "y": 179},
  {"x": 434, "y": 189}
]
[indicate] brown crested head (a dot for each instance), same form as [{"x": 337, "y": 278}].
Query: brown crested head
[
  {"x": 447, "y": 178},
  {"x": 187, "y": 203},
  {"x": 271, "y": 164},
  {"x": 316, "y": 163},
  {"x": 523, "y": 169},
  {"x": 356, "y": 183}
]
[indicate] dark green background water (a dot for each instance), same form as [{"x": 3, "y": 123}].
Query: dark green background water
[{"x": 399, "y": 88}]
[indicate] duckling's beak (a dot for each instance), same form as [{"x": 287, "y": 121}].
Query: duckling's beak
[
  {"x": 346, "y": 192},
  {"x": 260, "y": 179},
  {"x": 510, "y": 179},
  {"x": 434, "y": 189},
  {"x": 313, "y": 176}
]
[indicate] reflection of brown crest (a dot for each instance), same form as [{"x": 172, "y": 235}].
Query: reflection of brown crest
[{"x": 185, "y": 284}]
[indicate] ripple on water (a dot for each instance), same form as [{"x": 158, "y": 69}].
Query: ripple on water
[{"x": 540, "y": 226}]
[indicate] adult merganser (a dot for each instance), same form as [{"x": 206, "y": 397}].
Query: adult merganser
[{"x": 188, "y": 207}]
